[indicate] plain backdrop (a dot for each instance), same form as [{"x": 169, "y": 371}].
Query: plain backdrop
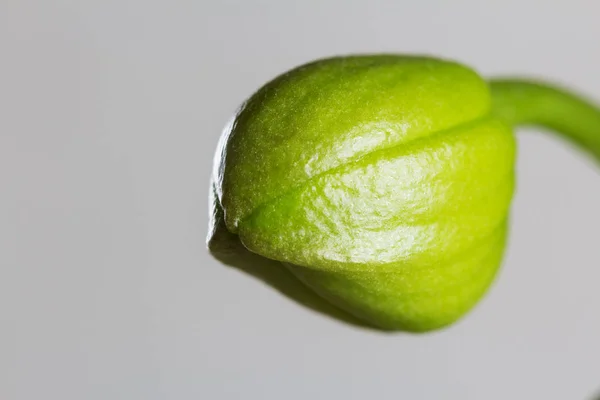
[{"x": 109, "y": 114}]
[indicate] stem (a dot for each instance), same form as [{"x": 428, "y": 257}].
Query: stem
[{"x": 524, "y": 102}]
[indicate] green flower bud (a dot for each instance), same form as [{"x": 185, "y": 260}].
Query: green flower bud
[{"x": 375, "y": 189}]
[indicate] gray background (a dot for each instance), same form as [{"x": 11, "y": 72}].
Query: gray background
[{"x": 109, "y": 113}]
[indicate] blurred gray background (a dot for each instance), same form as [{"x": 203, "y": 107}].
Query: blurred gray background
[{"x": 109, "y": 114}]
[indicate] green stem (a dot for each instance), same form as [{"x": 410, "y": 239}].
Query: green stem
[{"x": 528, "y": 103}]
